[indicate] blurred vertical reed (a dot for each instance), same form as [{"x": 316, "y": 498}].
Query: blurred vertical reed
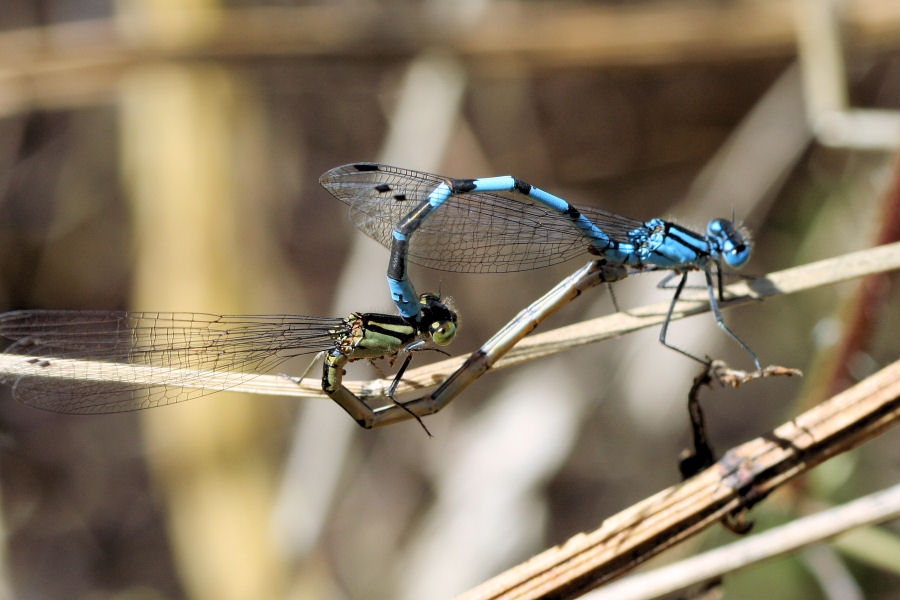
[{"x": 178, "y": 126}]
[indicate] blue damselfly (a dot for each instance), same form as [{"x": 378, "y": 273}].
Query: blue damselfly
[{"x": 503, "y": 224}]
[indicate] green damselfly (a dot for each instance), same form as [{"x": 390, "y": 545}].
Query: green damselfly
[{"x": 87, "y": 362}]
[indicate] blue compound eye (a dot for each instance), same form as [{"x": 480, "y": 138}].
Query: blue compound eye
[
  {"x": 733, "y": 246},
  {"x": 737, "y": 257}
]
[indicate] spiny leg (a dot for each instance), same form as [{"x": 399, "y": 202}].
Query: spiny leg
[
  {"x": 720, "y": 274},
  {"x": 398, "y": 376},
  {"x": 414, "y": 347},
  {"x": 665, "y": 325},
  {"x": 393, "y": 388},
  {"x": 480, "y": 361},
  {"x": 664, "y": 282},
  {"x": 362, "y": 413},
  {"x": 714, "y": 306},
  {"x": 612, "y": 297},
  {"x": 719, "y": 282},
  {"x": 332, "y": 377}
]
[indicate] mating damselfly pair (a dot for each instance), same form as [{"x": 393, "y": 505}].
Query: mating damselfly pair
[{"x": 112, "y": 361}]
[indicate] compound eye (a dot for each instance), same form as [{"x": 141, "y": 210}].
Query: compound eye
[
  {"x": 737, "y": 257},
  {"x": 443, "y": 332},
  {"x": 732, "y": 242}
]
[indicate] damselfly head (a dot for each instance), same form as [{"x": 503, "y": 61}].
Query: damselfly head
[
  {"x": 732, "y": 242},
  {"x": 440, "y": 318}
]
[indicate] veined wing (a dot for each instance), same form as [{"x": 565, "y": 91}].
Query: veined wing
[
  {"x": 114, "y": 361},
  {"x": 483, "y": 232}
]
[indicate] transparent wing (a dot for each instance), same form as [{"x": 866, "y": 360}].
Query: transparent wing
[
  {"x": 474, "y": 232},
  {"x": 154, "y": 357}
]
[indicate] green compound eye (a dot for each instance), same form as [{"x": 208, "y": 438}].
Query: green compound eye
[{"x": 443, "y": 332}]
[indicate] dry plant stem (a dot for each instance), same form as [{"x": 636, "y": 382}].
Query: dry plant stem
[
  {"x": 829, "y": 271},
  {"x": 735, "y": 378},
  {"x": 744, "y": 476},
  {"x": 833, "y": 270},
  {"x": 868, "y": 510}
]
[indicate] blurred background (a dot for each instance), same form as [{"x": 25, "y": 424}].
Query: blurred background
[{"x": 164, "y": 156}]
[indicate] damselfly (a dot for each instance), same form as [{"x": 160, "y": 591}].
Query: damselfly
[
  {"x": 502, "y": 224},
  {"x": 113, "y": 361}
]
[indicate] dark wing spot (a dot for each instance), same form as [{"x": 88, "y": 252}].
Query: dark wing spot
[
  {"x": 383, "y": 187},
  {"x": 399, "y": 197},
  {"x": 366, "y": 167}
]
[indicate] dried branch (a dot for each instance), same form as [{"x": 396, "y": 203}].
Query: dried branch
[
  {"x": 789, "y": 281},
  {"x": 804, "y": 531},
  {"x": 744, "y": 476},
  {"x": 829, "y": 271}
]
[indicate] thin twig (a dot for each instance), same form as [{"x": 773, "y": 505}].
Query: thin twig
[
  {"x": 415, "y": 382},
  {"x": 744, "y": 476},
  {"x": 735, "y": 378},
  {"x": 825, "y": 272},
  {"x": 874, "y": 508}
]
